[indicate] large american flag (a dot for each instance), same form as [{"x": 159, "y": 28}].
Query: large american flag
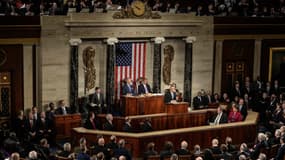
[{"x": 130, "y": 62}]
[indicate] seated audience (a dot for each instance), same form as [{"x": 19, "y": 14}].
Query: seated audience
[
  {"x": 215, "y": 147},
  {"x": 108, "y": 125},
  {"x": 281, "y": 151},
  {"x": 197, "y": 150},
  {"x": 127, "y": 127},
  {"x": 150, "y": 150},
  {"x": 199, "y": 101},
  {"x": 225, "y": 152},
  {"x": 174, "y": 157},
  {"x": 101, "y": 147},
  {"x": 146, "y": 125},
  {"x": 261, "y": 144},
  {"x": 219, "y": 118},
  {"x": 122, "y": 150},
  {"x": 184, "y": 149},
  {"x": 91, "y": 122},
  {"x": 33, "y": 155},
  {"x": 66, "y": 150},
  {"x": 208, "y": 154},
  {"x": 230, "y": 146},
  {"x": 112, "y": 143},
  {"x": 167, "y": 150},
  {"x": 15, "y": 156},
  {"x": 234, "y": 115}
]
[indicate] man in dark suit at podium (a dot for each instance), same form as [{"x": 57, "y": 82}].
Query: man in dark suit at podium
[
  {"x": 62, "y": 108},
  {"x": 128, "y": 88},
  {"x": 144, "y": 87},
  {"x": 170, "y": 94},
  {"x": 97, "y": 102}
]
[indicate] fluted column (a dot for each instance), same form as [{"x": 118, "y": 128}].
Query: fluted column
[
  {"x": 188, "y": 68},
  {"x": 110, "y": 79},
  {"x": 157, "y": 64},
  {"x": 257, "y": 57},
  {"x": 218, "y": 66},
  {"x": 73, "y": 92}
]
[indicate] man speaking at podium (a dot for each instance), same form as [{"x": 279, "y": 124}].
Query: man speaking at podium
[{"x": 170, "y": 95}]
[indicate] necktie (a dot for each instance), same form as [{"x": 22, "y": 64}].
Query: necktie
[
  {"x": 64, "y": 111},
  {"x": 145, "y": 88}
]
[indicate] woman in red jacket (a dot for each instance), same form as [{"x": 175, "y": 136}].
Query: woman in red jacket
[{"x": 234, "y": 115}]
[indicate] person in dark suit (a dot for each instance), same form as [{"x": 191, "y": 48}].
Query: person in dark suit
[
  {"x": 261, "y": 144},
  {"x": 225, "y": 153},
  {"x": 19, "y": 125},
  {"x": 150, "y": 150},
  {"x": 30, "y": 127},
  {"x": 101, "y": 147},
  {"x": 108, "y": 126},
  {"x": 127, "y": 127},
  {"x": 170, "y": 95},
  {"x": 219, "y": 118},
  {"x": 215, "y": 147},
  {"x": 167, "y": 150},
  {"x": 281, "y": 151},
  {"x": 90, "y": 121},
  {"x": 128, "y": 88},
  {"x": 62, "y": 108},
  {"x": 44, "y": 128},
  {"x": 146, "y": 125},
  {"x": 236, "y": 91},
  {"x": 275, "y": 89},
  {"x": 97, "y": 102},
  {"x": 242, "y": 109},
  {"x": 144, "y": 87},
  {"x": 183, "y": 150},
  {"x": 198, "y": 101},
  {"x": 121, "y": 150},
  {"x": 66, "y": 150}
]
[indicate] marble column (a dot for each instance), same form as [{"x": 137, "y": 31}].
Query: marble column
[
  {"x": 73, "y": 90},
  {"x": 157, "y": 64},
  {"x": 188, "y": 69},
  {"x": 257, "y": 57},
  {"x": 218, "y": 66},
  {"x": 110, "y": 79}
]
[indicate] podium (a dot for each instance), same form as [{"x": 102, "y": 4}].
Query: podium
[
  {"x": 178, "y": 107},
  {"x": 64, "y": 124},
  {"x": 140, "y": 105}
]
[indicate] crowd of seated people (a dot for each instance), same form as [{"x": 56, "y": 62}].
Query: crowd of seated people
[{"x": 252, "y": 8}]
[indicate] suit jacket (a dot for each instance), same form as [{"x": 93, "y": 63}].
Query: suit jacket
[
  {"x": 224, "y": 118},
  {"x": 182, "y": 151},
  {"x": 280, "y": 153},
  {"x": 127, "y": 128},
  {"x": 197, "y": 102},
  {"x": 128, "y": 89},
  {"x": 236, "y": 93},
  {"x": 108, "y": 126},
  {"x": 146, "y": 127},
  {"x": 97, "y": 100},
  {"x": 141, "y": 89},
  {"x": 168, "y": 97},
  {"x": 59, "y": 110},
  {"x": 122, "y": 151},
  {"x": 216, "y": 150},
  {"x": 88, "y": 124}
]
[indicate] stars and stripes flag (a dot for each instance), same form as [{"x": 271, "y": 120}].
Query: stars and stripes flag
[{"x": 130, "y": 63}]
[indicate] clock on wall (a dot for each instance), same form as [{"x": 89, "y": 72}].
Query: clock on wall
[{"x": 138, "y": 8}]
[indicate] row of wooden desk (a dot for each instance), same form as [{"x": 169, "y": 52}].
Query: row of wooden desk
[
  {"x": 162, "y": 121},
  {"x": 202, "y": 135}
]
